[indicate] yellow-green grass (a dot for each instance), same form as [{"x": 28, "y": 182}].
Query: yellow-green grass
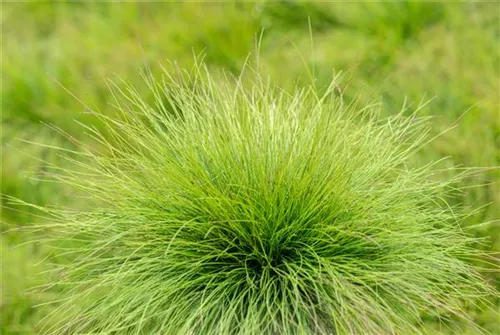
[{"x": 447, "y": 52}]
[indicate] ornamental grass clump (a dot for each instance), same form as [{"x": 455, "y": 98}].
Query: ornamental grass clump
[{"x": 231, "y": 206}]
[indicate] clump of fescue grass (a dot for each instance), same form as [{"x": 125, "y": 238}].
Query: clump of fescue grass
[{"x": 233, "y": 207}]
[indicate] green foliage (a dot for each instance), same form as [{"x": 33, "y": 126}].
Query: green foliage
[
  {"x": 228, "y": 207},
  {"x": 394, "y": 51},
  {"x": 21, "y": 273}
]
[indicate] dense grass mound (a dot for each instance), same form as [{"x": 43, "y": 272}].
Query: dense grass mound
[{"x": 234, "y": 207}]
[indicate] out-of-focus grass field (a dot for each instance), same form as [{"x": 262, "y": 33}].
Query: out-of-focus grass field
[{"x": 387, "y": 51}]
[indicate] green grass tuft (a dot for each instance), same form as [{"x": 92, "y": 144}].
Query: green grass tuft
[{"x": 231, "y": 206}]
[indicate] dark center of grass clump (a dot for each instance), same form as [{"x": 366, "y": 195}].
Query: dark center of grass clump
[{"x": 238, "y": 208}]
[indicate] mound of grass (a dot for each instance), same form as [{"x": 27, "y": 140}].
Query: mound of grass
[{"x": 228, "y": 206}]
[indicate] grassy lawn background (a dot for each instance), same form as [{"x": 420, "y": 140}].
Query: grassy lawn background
[{"x": 384, "y": 51}]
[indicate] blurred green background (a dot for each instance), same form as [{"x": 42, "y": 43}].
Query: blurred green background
[{"x": 386, "y": 51}]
